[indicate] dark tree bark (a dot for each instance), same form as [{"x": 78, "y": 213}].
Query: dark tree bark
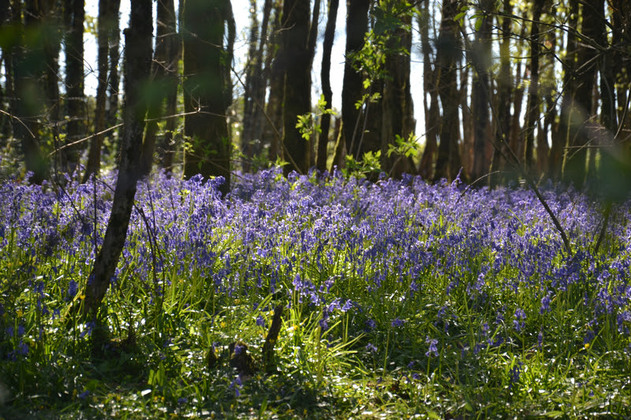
[
  {"x": 397, "y": 110},
  {"x": 273, "y": 129},
  {"x": 515, "y": 139},
  {"x": 207, "y": 87},
  {"x": 621, "y": 17},
  {"x": 111, "y": 115},
  {"x": 5, "y": 60},
  {"x": 481, "y": 90},
  {"x": 533, "y": 111},
  {"x": 551, "y": 123},
  {"x": 577, "y": 117},
  {"x": 352, "y": 90},
  {"x": 138, "y": 38},
  {"x": 606, "y": 69},
  {"x": 52, "y": 34},
  {"x": 431, "y": 109},
  {"x": 96, "y": 144},
  {"x": 296, "y": 61},
  {"x": 74, "y": 16},
  {"x": 172, "y": 45},
  {"x": 504, "y": 95},
  {"x": 325, "y": 75},
  {"x": 164, "y": 69},
  {"x": 253, "y": 70},
  {"x": 27, "y": 60},
  {"x": 449, "y": 51}
]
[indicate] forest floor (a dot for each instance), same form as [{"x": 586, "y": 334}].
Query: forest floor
[{"x": 401, "y": 299}]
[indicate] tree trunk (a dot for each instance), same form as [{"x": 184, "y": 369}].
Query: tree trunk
[
  {"x": 96, "y": 144},
  {"x": 481, "y": 90},
  {"x": 26, "y": 56},
  {"x": 164, "y": 69},
  {"x": 551, "y": 123},
  {"x": 352, "y": 90},
  {"x": 504, "y": 89},
  {"x": 207, "y": 88},
  {"x": 325, "y": 75},
  {"x": 173, "y": 52},
  {"x": 397, "y": 111},
  {"x": 432, "y": 116},
  {"x": 448, "y": 55},
  {"x": 74, "y": 15},
  {"x": 575, "y": 170},
  {"x": 253, "y": 70},
  {"x": 111, "y": 115},
  {"x": 621, "y": 13},
  {"x": 533, "y": 106},
  {"x": 138, "y": 38},
  {"x": 296, "y": 63},
  {"x": 273, "y": 131}
]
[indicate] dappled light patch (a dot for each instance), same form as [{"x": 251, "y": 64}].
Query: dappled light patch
[{"x": 399, "y": 298}]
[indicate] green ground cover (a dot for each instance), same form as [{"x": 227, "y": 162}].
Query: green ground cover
[{"x": 401, "y": 299}]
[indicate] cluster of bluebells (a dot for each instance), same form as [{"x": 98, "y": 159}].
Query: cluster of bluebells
[{"x": 334, "y": 243}]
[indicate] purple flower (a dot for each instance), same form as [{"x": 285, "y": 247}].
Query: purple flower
[
  {"x": 370, "y": 324},
  {"x": 397, "y": 323},
  {"x": 260, "y": 321},
  {"x": 518, "y": 322},
  {"x": 545, "y": 304},
  {"x": 432, "y": 350},
  {"x": 371, "y": 348},
  {"x": 73, "y": 288},
  {"x": 236, "y": 385},
  {"x": 514, "y": 374}
]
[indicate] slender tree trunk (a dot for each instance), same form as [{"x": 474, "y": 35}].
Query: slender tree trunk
[
  {"x": 431, "y": 110},
  {"x": 207, "y": 88},
  {"x": 533, "y": 106},
  {"x": 481, "y": 90},
  {"x": 273, "y": 131},
  {"x": 621, "y": 11},
  {"x": 173, "y": 53},
  {"x": 551, "y": 122},
  {"x": 26, "y": 57},
  {"x": 505, "y": 89},
  {"x": 448, "y": 55},
  {"x": 52, "y": 35},
  {"x": 96, "y": 144},
  {"x": 163, "y": 75},
  {"x": 253, "y": 70},
  {"x": 325, "y": 125},
  {"x": 296, "y": 61},
  {"x": 575, "y": 170},
  {"x": 352, "y": 90},
  {"x": 111, "y": 115},
  {"x": 397, "y": 111},
  {"x": 5, "y": 62},
  {"x": 138, "y": 38},
  {"x": 74, "y": 16}
]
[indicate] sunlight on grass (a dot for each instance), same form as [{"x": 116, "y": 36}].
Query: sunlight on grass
[{"x": 403, "y": 299}]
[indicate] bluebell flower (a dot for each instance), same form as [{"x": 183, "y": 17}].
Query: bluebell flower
[
  {"x": 73, "y": 288},
  {"x": 432, "y": 350},
  {"x": 370, "y": 325},
  {"x": 371, "y": 348},
  {"x": 514, "y": 374},
  {"x": 545, "y": 304},
  {"x": 260, "y": 321},
  {"x": 397, "y": 323}
]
